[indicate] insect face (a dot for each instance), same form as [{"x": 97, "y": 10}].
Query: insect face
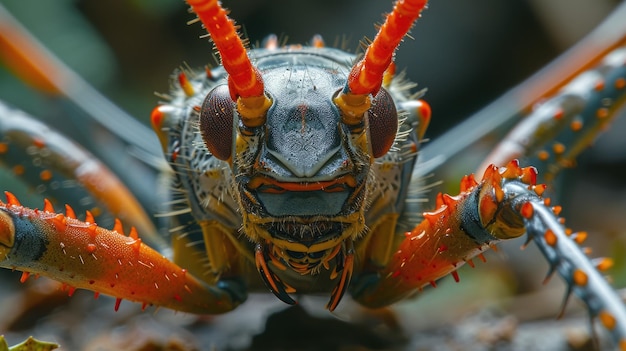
[{"x": 301, "y": 176}]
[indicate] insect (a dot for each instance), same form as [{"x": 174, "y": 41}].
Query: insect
[{"x": 290, "y": 253}]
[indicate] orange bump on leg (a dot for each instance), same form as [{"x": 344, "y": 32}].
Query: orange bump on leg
[
  {"x": 133, "y": 233},
  {"x": 455, "y": 275},
  {"x": 45, "y": 175},
  {"x": 550, "y": 237},
  {"x": 136, "y": 244},
  {"x": 47, "y": 206},
  {"x": 470, "y": 263},
  {"x": 540, "y": 189},
  {"x": 11, "y": 199},
  {"x": 607, "y": 320},
  {"x": 24, "y": 277},
  {"x": 558, "y": 148},
  {"x": 602, "y": 112},
  {"x": 604, "y": 264},
  {"x": 118, "y": 301},
  {"x": 92, "y": 230},
  {"x": 580, "y": 277},
  {"x": 91, "y": 248},
  {"x": 527, "y": 210},
  {"x": 89, "y": 217},
  {"x": 118, "y": 227},
  {"x": 580, "y": 237},
  {"x": 39, "y": 143},
  {"x": 69, "y": 212},
  {"x": 59, "y": 221},
  {"x": 543, "y": 155},
  {"x": 18, "y": 170},
  {"x": 576, "y": 126},
  {"x": 599, "y": 85},
  {"x": 558, "y": 114}
]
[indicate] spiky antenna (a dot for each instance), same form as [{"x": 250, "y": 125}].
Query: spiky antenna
[
  {"x": 366, "y": 76},
  {"x": 244, "y": 80}
]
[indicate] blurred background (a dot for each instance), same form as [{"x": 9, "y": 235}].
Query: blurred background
[{"x": 466, "y": 54}]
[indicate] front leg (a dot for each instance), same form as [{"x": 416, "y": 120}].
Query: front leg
[
  {"x": 505, "y": 204},
  {"x": 84, "y": 255}
]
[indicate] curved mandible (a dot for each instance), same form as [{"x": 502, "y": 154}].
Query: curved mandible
[
  {"x": 244, "y": 80},
  {"x": 366, "y": 76}
]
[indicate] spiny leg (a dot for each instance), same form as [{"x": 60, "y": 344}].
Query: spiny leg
[
  {"x": 90, "y": 117},
  {"x": 522, "y": 100},
  {"x": 505, "y": 204},
  {"x": 65, "y": 172},
  {"x": 83, "y": 255},
  {"x": 560, "y": 128}
]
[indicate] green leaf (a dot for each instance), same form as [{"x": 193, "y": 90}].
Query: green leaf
[
  {"x": 3, "y": 344},
  {"x": 30, "y": 344}
]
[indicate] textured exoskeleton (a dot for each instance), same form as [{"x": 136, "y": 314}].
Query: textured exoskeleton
[{"x": 292, "y": 170}]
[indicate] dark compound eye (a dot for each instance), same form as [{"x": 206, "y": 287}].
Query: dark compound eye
[
  {"x": 216, "y": 122},
  {"x": 383, "y": 123}
]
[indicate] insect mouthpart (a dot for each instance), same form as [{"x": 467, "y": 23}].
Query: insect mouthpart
[
  {"x": 270, "y": 185},
  {"x": 306, "y": 233},
  {"x": 306, "y": 212}
]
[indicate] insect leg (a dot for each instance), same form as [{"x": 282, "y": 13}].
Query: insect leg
[
  {"x": 83, "y": 255},
  {"x": 504, "y": 205},
  {"x": 91, "y": 119},
  {"x": 64, "y": 171},
  {"x": 566, "y": 124},
  {"x": 586, "y": 55}
]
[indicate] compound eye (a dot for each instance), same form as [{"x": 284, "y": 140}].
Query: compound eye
[
  {"x": 383, "y": 123},
  {"x": 216, "y": 122}
]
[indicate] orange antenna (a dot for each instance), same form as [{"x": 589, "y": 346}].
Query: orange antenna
[
  {"x": 244, "y": 80},
  {"x": 366, "y": 76}
]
